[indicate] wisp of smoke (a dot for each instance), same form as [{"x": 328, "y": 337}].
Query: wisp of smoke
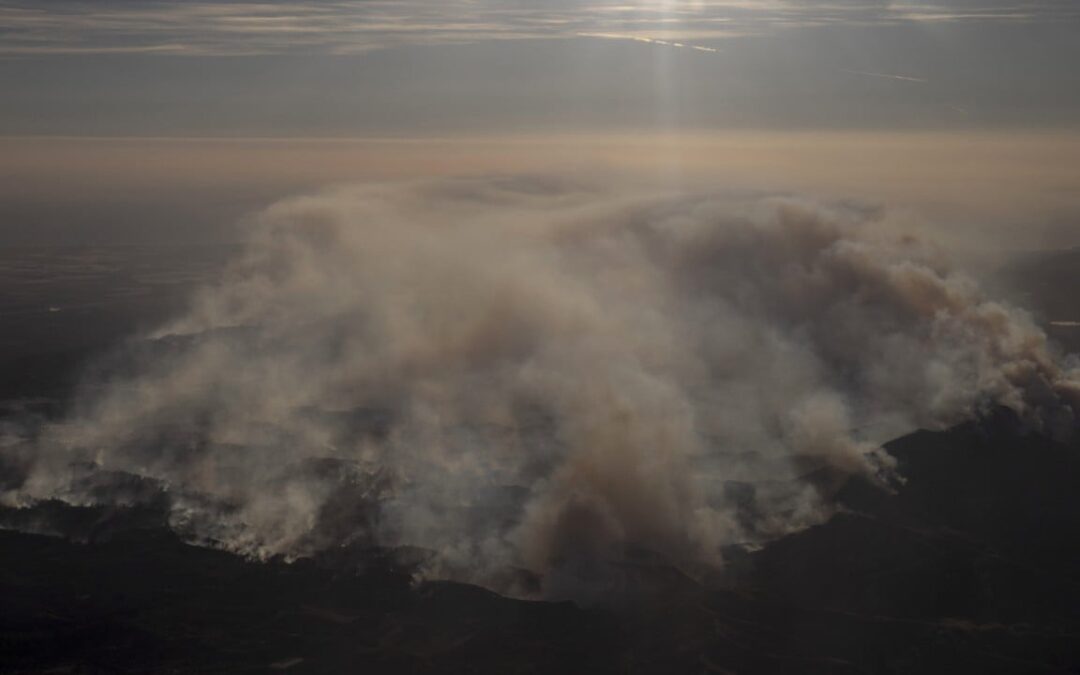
[{"x": 530, "y": 373}]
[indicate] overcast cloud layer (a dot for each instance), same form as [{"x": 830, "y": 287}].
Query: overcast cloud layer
[
  {"x": 421, "y": 67},
  {"x": 204, "y": 28}
]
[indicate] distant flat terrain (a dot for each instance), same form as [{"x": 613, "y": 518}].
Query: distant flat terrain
[
  {"x": 61, "y": 306},
  {"x": 1049, "y": 284}
]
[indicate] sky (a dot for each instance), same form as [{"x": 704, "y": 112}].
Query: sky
[
  {"x": 146, "y": 67},
  {"x": 774, "y": 89}
]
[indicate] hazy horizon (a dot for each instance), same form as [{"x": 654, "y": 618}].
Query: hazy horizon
[{"x": 968, "y": 110}]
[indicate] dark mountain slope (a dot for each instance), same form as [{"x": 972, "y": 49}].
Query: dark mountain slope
[{"x": 971, "y": 565}]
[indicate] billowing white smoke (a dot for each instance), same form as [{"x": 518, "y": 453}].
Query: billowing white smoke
[{"x": 533, "y": 373}]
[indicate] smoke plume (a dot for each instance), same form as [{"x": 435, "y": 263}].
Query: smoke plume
[{"x": 534, "y": 374}]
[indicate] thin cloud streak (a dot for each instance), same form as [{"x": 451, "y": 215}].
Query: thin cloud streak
[
  {"x": 890, "y": 76},
  {"x": 652, "y": 41}
]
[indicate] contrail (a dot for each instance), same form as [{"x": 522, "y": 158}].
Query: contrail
[
  {"x": 904, "y": 78},
  {"x": 648, "y": 40}
]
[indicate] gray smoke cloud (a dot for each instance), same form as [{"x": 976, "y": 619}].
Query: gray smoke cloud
[{"x": 535, "y": 373}]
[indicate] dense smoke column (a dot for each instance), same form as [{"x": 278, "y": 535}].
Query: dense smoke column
[{"x": 534, "y": 373}]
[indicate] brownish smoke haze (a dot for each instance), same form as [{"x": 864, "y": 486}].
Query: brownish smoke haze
[
  {"x": 984, "y": 190},
  {"x": 535, "y": 372}
]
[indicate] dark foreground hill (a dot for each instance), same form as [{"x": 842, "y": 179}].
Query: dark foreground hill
[{"x": 971, "y": 566}]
